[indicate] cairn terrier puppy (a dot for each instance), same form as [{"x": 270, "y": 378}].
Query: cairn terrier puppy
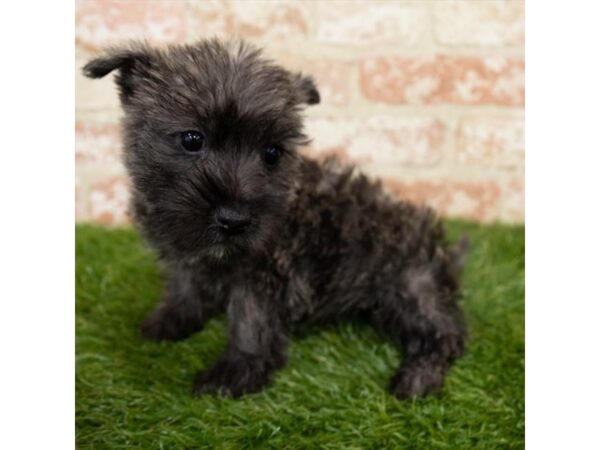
[{"x": 244, "y": 223}]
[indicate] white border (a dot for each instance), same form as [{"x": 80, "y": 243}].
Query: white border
[
  {"x": 37, "y": 226},
  {"x": 562, "y": 225}
]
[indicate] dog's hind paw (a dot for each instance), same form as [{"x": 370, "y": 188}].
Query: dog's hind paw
[{"x": 411, "y": 382}]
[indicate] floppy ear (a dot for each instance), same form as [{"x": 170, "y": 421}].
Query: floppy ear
[
  {"x": 127, "y": 62},
  {"x": 307, "y": 89}
]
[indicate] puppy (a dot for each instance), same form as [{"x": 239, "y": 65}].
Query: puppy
[{"x": 244, "y": 223}]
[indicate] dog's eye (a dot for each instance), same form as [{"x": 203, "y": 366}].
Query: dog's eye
[
  {"x": 192, "y": 141},
  {"x": 272, "y": 155}
]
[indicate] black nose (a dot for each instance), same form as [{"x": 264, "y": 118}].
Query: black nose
[{"x": 232, "y": 220}]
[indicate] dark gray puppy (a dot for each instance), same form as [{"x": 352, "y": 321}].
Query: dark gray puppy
[{"x": 245, "y": 224}]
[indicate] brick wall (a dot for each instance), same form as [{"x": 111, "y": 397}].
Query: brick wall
[{"x": 427, "y": 95}]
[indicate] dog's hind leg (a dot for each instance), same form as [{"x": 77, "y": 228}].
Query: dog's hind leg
[
  {"x": 183, "y": 311},
  {"x": 422, "y": 318}
]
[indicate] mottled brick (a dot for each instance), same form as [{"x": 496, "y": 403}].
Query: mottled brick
[
  {"x": 97, "y": 142},
  {"x": 333, "y": 80},
  {"x": 102, "y": 22},
  {"x": 475, "y": 200},
  {"x": 370, "y": 21},
  {"x": 379, "y": 140},
  {"x": 329, "y": 40},
  {"x": 108, "y": 201},
  {"x": 79, "y": 204},
  {"x": 512, "y": 208},
  {"x": 480, "y": 23},
  {"x": 465, "y": 80},
  {"x": 490, "y": 142},
  {"x": 253, "y": 19},
  {"x": 208, "y": 18}
]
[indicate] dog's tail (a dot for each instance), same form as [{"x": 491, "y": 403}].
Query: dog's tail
[{"x": 458, "y": 255}]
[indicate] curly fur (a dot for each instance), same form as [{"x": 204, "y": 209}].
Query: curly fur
[{"x": 323, "y": 243}]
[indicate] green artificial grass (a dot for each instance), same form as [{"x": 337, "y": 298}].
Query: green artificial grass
[{"x": 131, "y": 393}]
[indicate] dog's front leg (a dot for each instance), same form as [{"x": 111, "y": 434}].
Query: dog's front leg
[
  {"x": 184, "y": 308},
  {"x": 257, "y": 346}
]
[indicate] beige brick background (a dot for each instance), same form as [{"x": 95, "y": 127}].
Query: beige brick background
[{"x": 427, "y": 95}]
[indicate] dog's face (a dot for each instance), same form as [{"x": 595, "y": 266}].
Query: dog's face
[{"x": 211, "y": 133}]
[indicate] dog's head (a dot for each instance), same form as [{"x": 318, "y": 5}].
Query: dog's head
[{"x": 211, "y": 133}]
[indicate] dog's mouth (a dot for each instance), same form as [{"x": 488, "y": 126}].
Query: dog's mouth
[
  {"x": 216, "y": 255},
  {"x": 221, "y": 252},
  {"x": 220, "y": 247}
]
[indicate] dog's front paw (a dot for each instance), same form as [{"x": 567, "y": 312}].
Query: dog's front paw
[
  {"x": 412, "y": 382},
  {"x": 169, "y": 324},
  {"x": 233, "y": 376}
]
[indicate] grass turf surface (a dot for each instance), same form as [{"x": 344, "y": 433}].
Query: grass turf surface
[{"x": 132, "y": 393}]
